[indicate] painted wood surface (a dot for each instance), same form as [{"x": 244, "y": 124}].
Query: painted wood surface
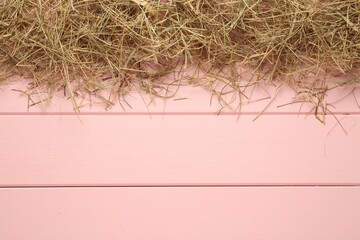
[
  {"x": 268, "y": 99},
  {"x": 180, "y": 213},
  {"x": 176, "y": 170},
  {"x": 116, "y": 150}
]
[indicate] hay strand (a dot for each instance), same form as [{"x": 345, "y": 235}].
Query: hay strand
[{"x": 83, "y": 47}]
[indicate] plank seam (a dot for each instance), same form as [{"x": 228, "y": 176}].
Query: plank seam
[
  {"x": 165, "y": 113},
  {"x": 188, "y": 186}
]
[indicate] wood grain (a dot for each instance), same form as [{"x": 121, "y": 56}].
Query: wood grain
[
  {"x": 180, "y": 213},
  {"x": 172, "y": 169},
  {"x": 187, "y": 99},
  {"x": 96, "y": 150}
]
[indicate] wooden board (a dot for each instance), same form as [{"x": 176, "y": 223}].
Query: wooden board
[
  {"x": 270, "y": 99},
  {"x": 176, "y": 170},
  {"x": 180, "y": 213},
  {"x": 118, "y": 150}
]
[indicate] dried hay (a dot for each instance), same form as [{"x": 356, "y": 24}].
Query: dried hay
[{"x": 88, "y": 47}]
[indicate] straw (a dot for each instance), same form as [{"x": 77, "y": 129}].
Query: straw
[{"x": 106, "y": 48}]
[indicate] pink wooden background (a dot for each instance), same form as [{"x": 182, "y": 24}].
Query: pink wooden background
[{"x": 177, "y": 170}]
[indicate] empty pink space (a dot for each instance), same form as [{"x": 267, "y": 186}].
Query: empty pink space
[
  {"x": 232, "y": 213},
  {"x": 176, "y": 169},
  {"x": 125, "y": 150}
]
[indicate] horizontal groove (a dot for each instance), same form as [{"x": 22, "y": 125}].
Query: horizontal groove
[
  {"x": 182, "y": 186},
  {"x": 165, "y": 113}
]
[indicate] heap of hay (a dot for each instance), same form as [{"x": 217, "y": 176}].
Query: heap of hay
[{"x": 87, "y": 46}]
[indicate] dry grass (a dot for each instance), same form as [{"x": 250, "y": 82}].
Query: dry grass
[{"x": 83, "y": 47}]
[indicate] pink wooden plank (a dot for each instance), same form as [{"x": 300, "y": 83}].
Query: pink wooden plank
[
  {"x": 188, "y": 99},
  {"x": 180, "y": 213},
  {"x": 178, "y": 150}
]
